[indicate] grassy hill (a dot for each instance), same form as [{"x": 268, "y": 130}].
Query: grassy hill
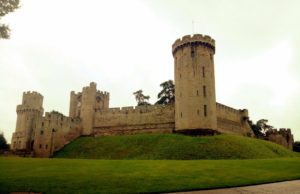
[{"x": 172, "y": 147}]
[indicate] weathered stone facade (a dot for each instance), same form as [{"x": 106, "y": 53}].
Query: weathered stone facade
[
  {"x": 282, "y": 137},
  {"x": 195, "y": 108}
]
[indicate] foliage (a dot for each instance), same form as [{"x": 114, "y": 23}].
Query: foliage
[
  {"x": 296, "y": 146},
  {"x": 260, "y": 128},
  {"x": 167, "y": 94},
  {"x": 172, "y": 146},
  {"x": 141, "y": 98},
  {"x": 138, "y": 176},
  {"x": 6, "y": 6},
  {"x": 3, "y": 143}
]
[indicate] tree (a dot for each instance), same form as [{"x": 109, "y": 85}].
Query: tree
[
  {"x": 260, "y": 128},
  {"x": 262, "y": 124},
  {"x": 3, "y": 143},
  {"x": 141, "y": 98},
  {"x": 167, "y": 94},
  {"x": 6, "y": 6},
  {"x": 296, "y": 146}
]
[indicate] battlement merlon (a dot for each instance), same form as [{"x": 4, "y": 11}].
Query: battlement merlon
[
  {"x": 32, "y": 100},
  {"x": 194, "y": 39},
  {"x": 32, "y": 94}
]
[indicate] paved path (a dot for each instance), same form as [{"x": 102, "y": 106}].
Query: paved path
[{"x": 288, "y": 187}]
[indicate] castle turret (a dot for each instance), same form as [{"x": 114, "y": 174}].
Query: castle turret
[
  {"x": 195, "y": 104},
  {"x": 85, "y": 103},
  {"x": 28, "y": 114}
]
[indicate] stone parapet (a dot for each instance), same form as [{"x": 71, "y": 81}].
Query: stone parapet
[{"x": 196, "y": 39}]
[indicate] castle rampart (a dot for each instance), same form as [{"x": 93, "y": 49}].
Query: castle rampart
[
  {"x": 230, "y": 120},
  {"x": 55, "y": 130},
  {"x": 139, "y": 119},
  {"x": 282, "y": 137}
]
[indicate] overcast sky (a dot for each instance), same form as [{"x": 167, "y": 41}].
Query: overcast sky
[{"x": 57, "y": 46}]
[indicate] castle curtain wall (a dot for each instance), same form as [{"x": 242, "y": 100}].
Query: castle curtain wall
[
  {"x": 133, "y": 120},
  {"x": 230, "y": 120}
]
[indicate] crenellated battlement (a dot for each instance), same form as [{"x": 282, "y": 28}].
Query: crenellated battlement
[
  {"x": 33, "y": 93},
  {"x": 281, "y": 131},
  {"x": 32, "y": 99},
  {"x": 282, "y": 137},
  {"x": 134, "y": 109},
  {"x": 230, "y": 109},
  {"x": 196, "y": 39},
  {"x": 22, "y": 109}
]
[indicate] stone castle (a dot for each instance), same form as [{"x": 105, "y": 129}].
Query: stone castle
[{"x": 195, "y": 108}]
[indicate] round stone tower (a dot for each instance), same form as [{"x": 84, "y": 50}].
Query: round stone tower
[
  {"x": 28, "y": 115},
  {"x": 195, "y": 98}
]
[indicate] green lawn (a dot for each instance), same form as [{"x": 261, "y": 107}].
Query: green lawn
[
  {"x": 172, "y": 147},
  {"x": 139, "y": 176}
]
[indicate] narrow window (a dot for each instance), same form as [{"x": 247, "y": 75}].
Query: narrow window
[
  {"x": 204, "y": 91},
  {"x": 198, "y": 112},
  {"x": 211, "y": 57},
  {"x": 197, "y": 93},
  {"x": 181, "y": 114},
  {"x": 192, "y": 51},
  {"x": 205, "y": 110},
  {"x": 203, "y": 71},
  {"x": 40, "y": 146},
  {"x": 42, "y": 124},
  {"x": 42, "y": 132},
  {"x": 180, "y": 75}
]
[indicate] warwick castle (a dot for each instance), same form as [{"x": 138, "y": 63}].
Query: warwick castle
[{"x": 195, "y": 109}]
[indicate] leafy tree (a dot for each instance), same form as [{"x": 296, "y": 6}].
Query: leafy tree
[
  {"x": 167, "y": 94},
  {"x": 3, "y": 143},
  {"x": 296, "y": 146},
  {"x": 6, "y": 6},
  {"x": 260, "y": 128},
  {"x": 141, "y": 98}
]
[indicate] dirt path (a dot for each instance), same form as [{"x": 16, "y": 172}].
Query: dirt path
[{"x": 288, "y": 187}]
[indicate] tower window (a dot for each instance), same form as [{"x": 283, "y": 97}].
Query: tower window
[
  {"x": 192, "y": 51},
  {"x": 197, "y": 93},
  {"x": 180, "y": 75},
  {"x": 198, "y": 112},
  {"x": 40, "y": 146},
  {"x": 42, "y": 132},
  {"x": 203, "y": 71},
  {"x": 205, "y": 110},
  {"x": 204, "y": 91},
  {"x": 181, "y": 114}
]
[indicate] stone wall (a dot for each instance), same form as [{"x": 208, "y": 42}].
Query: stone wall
[
  {"x": 282, "y": 137},
  {"x": 53, "y": 132},
  {"x": 132, "y": 120},
  {"x": 230, "y": 120}
]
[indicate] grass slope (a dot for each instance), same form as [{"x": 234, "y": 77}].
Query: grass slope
[
  {"x": 138, "y": 176},
  {"x": 172, "y": 147}
]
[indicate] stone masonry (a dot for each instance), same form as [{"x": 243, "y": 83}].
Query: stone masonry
[{"x": 195, "y": 108}]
